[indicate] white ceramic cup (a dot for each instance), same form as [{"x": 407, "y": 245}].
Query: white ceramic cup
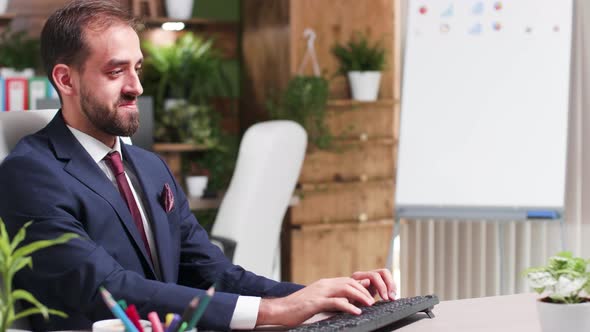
[{"x": 115, "y": 325}]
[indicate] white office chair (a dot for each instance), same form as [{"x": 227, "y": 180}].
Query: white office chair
[
  {"x": 252, "y": 211},
  {"x": 14, "y": 125}
]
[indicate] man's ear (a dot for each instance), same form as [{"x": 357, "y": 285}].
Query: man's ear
[{"x": 62, "y": 76}]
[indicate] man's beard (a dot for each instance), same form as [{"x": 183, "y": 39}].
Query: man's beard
[{"x": 109, "y": 119}]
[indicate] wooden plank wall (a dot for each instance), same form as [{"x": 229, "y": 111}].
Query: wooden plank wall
[
  {"x": 273, "y": 45},
  {"x": 266, "y": 48},
  {"x": 335, "y": 22}
]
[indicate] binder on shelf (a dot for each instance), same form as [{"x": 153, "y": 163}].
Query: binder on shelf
[
  {"x": 51, "y": 92},
  {"x": 2, "y": 95},
  {"x": 37, "y": 90},
  {"x": 16, "y": 93}
]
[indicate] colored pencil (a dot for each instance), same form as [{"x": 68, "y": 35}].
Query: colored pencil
[
  {"x": 173, "y": 326},
  {"x": 133, "y": 315},
  {"x": 117, "y": 310},
  {"x": 156, "y": 323},
  {"x": 182, "y": 327},
  {"x": 190, "y": 310},
  {"x": 203, "y": 303}
]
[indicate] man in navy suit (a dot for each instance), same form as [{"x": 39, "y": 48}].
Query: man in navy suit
[{"x": 151, "y": 252}]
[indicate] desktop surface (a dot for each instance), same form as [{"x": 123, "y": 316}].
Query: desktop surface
[
  {"x": 486, "y": 314},
  {"x": 497, "y": 313}
]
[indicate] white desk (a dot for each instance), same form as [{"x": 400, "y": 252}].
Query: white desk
[{"x": 497, "y": 313}]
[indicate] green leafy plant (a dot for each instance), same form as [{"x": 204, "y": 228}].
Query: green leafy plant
[
  {"x": 12, "y": 259},
  {"x": 188, "y": 123},
  {"x": 190, "y": 69},
  {"x": 565, "y": 279},
  {"x": 304, "y": 101},
  {"x": 359, "y": 55},
  {"x": 19, "y": 51}
]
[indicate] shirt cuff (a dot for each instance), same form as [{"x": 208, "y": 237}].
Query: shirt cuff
[{"x": 245, "y": 313}]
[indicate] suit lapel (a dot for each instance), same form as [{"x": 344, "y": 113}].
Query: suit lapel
[
  {"x": 159, "y": 220},
  {"x": 82, "y": 167}
]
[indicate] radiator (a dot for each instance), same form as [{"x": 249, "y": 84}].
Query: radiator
[{"x": 466, "y": 259}]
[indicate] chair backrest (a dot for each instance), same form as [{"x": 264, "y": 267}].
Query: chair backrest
[
  {"x": 252, "y": 211},
  {"x": 14, "y": 125}
]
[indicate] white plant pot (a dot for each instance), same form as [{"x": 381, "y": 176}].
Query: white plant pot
[
  {"x": 556, "y": 317},
  {"x": 3, "y": 6},
  {"x": 196, "y": 185},
  {"x": 172, "y": 102},
  {"x": 179, "y": 9},
  {"x": 364, "y": 85}
]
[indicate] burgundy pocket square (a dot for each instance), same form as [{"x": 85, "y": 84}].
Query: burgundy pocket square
[{"x": 167, "y": 198}]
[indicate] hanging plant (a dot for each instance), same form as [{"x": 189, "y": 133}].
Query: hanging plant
[{"x": 304, "y": 101}]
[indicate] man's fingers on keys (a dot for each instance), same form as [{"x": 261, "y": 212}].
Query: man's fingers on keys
[
  {"x": 365, "y": 282},
  {"x": 388, "y": 279},
  {"x": 363, "y": 290},
  {"x": 359, "y": 294},
  {"x": 341, "y": 304},
  {"x": 376, "y": 281}
]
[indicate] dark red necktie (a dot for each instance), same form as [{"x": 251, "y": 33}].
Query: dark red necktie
[{"x": 113, "y": 159}]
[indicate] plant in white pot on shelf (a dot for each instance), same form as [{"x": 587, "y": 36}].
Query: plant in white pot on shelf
[
  {"x": 179, "y": 9},
  {"x": 3, "y": 5},
  {"x": 565, "y": 285},
  {"x": 362, "y": 63},
  {"x": 196, "y": 179}
]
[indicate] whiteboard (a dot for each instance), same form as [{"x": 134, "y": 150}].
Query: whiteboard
[{"x": 485, "y": 104}]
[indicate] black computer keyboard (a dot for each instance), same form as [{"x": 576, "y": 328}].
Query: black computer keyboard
[{"x": 378, "y": 315}]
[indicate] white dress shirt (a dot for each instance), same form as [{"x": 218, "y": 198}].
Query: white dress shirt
[{"x": 246, "y": 311}]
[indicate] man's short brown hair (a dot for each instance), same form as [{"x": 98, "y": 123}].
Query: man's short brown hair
[{"x": 63, "y": 36}]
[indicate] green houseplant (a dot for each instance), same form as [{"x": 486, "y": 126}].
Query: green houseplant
[
  {"x": 362, "y": 62},
  {"x": 18, "y": 51},
  {"x": 565, "y": 284},
  {"x": 12, "y": 259},
  {"x": 189, "y": 123},
  {"x": 190, "y": 69},
  {"x": 183, "y": 78},
  {"x": 304, "y": 101}
]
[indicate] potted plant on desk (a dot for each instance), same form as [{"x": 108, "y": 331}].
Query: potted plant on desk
[
  {"x": 565, "y": 284},
  {"x": 12, "y": 259}
]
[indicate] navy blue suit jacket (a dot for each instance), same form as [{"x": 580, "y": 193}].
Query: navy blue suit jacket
[{"x": 49, "y": 178}]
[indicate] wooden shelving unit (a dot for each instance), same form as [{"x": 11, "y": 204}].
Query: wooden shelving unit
[
  {"x": 225, "y": 33},
  {"x": 172, "y": 154},
  {"x": 344, "y": 221},
  {"x": 191, "y": 24},
  {"x": 178, "y": 147},
  {"x": 6, "y": 18}
]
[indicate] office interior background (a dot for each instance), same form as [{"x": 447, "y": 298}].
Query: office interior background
[{"x": 342, "y": 216}]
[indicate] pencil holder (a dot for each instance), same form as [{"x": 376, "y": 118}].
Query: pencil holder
[{"x": 115, "y": 325}]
